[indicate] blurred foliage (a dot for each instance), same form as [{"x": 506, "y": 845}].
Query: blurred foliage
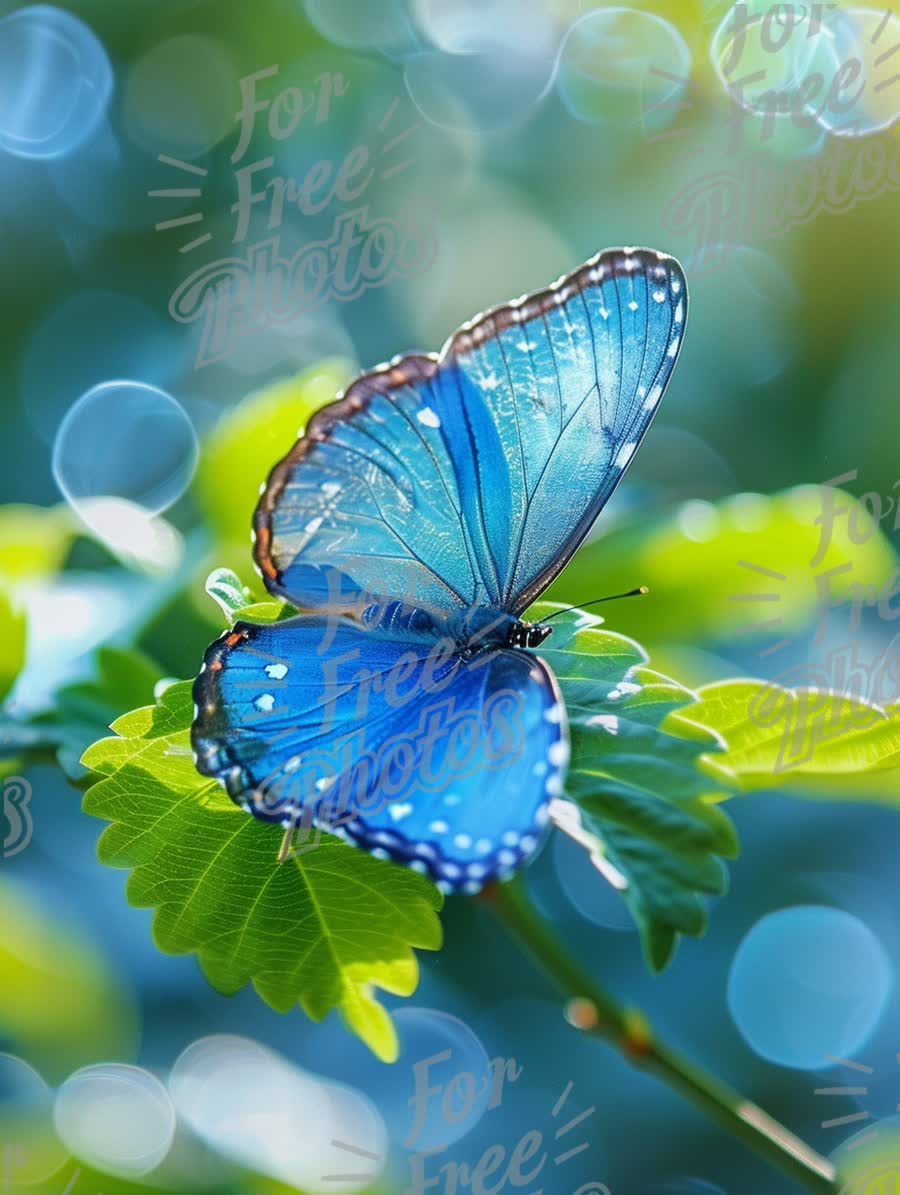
[
  {"x": 12, "y": 643},
  {"x": 34, "y": 541},
  {"x": 61, "y": 1004},
  {"x": 76, "y": 1177},
  {"x": 695, "y": 564},
  {"x": 868, "y": 1163},
  {"x": 82, "y": 712}
]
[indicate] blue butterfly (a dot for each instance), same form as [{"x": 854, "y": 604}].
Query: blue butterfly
[{"x": 413, "y": 524}]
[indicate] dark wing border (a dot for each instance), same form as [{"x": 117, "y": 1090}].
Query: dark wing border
[{"x": 401, "y": 371}]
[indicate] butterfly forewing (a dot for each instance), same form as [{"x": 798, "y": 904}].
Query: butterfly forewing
[
  {"x": 572, "y": 377},
  {"x": 470, "y": 479}
]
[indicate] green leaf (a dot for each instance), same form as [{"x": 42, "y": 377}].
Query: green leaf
[
  {"x": 781, "y": 737},
  {"x": 321, "y": 930},
  {"x": 83, "y": 711},
  {"x": 645, "y": 802},
  {"x": 696, "y": 565},
  {"x": 235, "y": 600},
  {"x": 247, "y": 441},
  {"x": 226, "y": 590}
]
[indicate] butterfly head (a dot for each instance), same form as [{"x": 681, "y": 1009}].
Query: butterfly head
[{"x": 528, "y": 634}]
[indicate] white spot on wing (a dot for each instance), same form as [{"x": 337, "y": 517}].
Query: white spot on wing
[
  {"x": 276, "y": 671},
  {"x": 653, "y": 398},
  {"x": 559, "y": 753},
  {"x": 265, "y": 702},
  {"x": 626, "y": 452},
  {"x": 428, "y": 417}
]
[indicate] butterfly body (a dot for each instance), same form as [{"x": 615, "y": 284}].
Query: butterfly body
[
  {"x": 480, "y": 627},
  {"x": 413, "y": 525}
]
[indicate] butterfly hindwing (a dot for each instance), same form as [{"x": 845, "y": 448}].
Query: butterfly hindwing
[
  {"x": 469, "y": 479},
  {"x": 388, "y": 736}
]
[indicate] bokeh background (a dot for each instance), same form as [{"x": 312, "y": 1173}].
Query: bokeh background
[{"x": 147, "y": 386}]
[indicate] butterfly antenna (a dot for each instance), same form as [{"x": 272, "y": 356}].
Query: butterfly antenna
[{"x": 639, "y": 592}]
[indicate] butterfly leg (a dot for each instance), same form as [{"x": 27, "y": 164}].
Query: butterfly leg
[{"x": 287, "y": 842}]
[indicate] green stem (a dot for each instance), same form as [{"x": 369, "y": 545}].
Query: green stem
[{"x": 597, "y": 1013}]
